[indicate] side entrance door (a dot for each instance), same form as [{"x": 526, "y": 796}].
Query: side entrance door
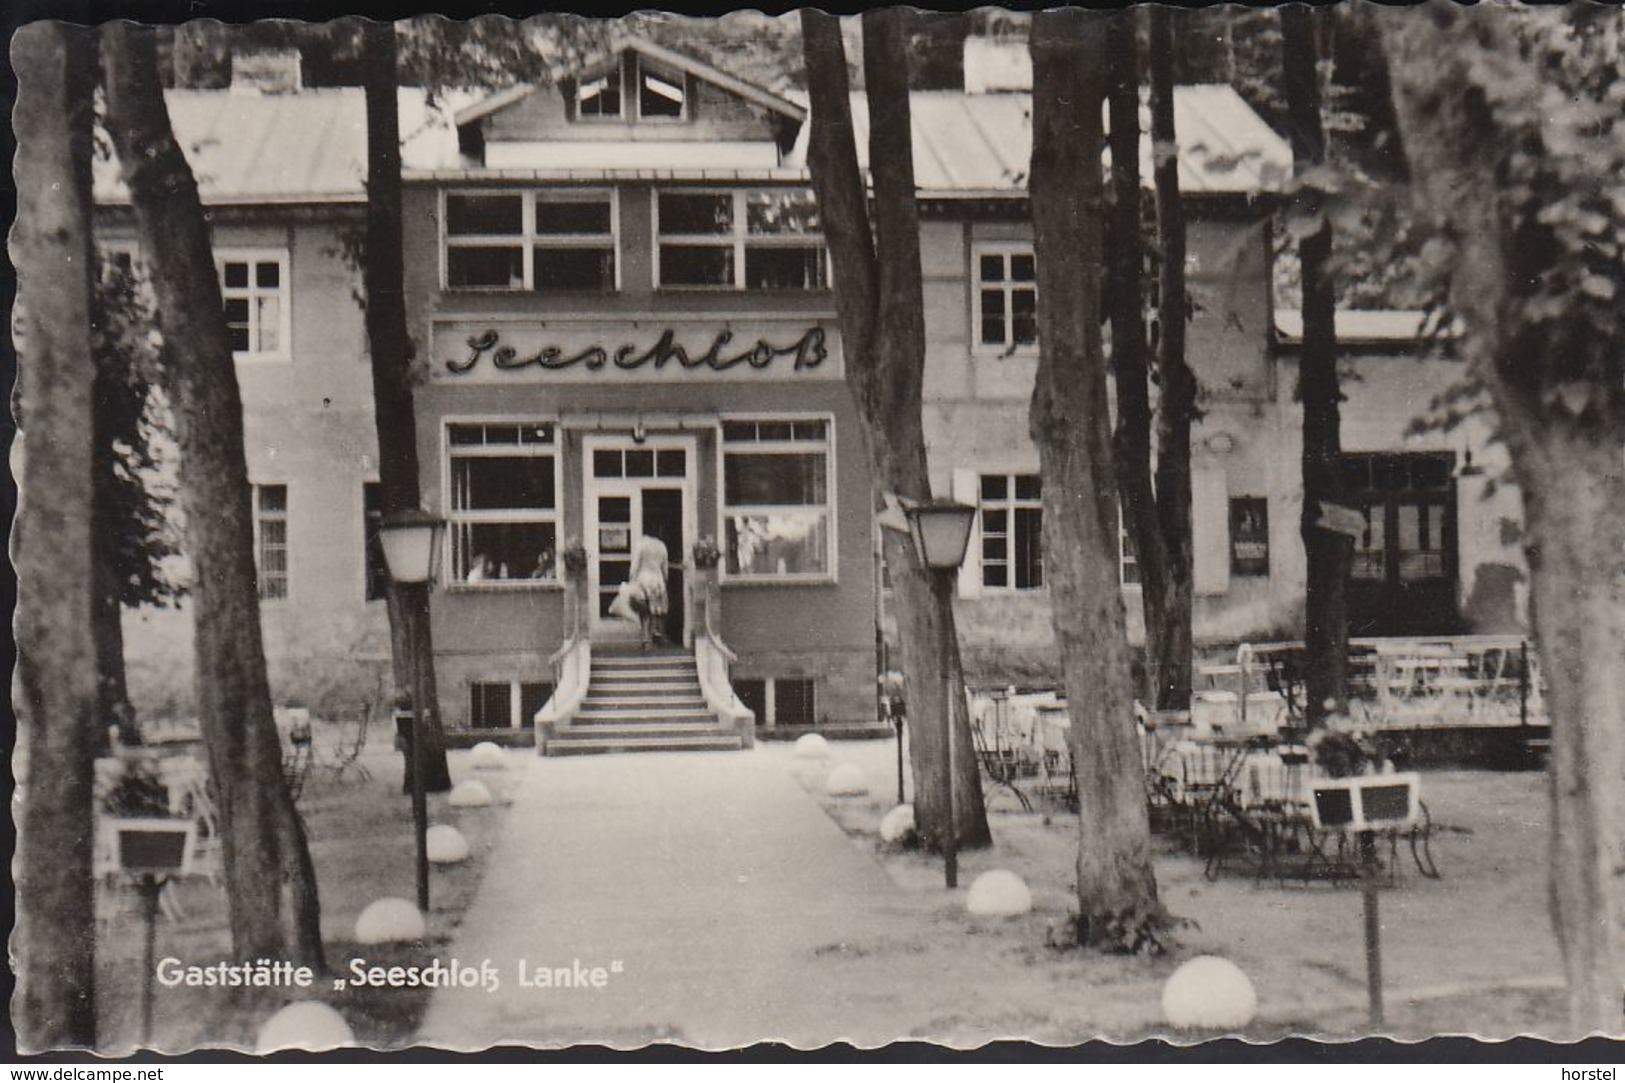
[
  {"x": 633, "y": 489},
  {"x": 1403, "y": 580}
]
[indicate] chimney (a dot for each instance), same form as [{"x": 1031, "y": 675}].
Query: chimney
[
  {"x": 995, "y": 65},
  {"x": 274, "y": 71}
]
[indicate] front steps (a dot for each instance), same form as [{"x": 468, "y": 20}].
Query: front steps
[{"x": 642, "y": 701}]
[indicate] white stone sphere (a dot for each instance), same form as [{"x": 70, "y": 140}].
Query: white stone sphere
[
  {"x": 305, "y": 1024},
  {"x": 487, "y": 756},
  {"x": 1209, "y": 993},
  {"x": 389, "y": 921},
  {"x": 811, "y": 746},
  {"x": 446, "y": 845},
  {"x": 847, "y": 780},
  {"x": 470, "y": 793},
  {"x": 999, "y": 893},
  {"x": 898, "y": 824}
]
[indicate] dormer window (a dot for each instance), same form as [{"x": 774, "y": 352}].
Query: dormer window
[
  {"x": 661, "y": 95},
  {"x": 601, "y": 97}
]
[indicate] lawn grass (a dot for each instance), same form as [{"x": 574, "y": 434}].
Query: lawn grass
[{"x": 360, "y": 837}]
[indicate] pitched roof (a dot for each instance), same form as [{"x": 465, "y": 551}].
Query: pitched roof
[
  {"x": 305, "y": 147},
  {"x": 981, "y": 144}
]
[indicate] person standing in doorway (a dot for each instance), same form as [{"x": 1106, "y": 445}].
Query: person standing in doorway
[{"x": 648, "y": 576}]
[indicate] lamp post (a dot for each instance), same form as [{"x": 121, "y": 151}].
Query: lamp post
[
  {"x": 411, "y": 542},
  {"x": 941, "y": 530}
]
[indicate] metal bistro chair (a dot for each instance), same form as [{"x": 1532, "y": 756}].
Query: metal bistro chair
[{"x": 353, "y": 723}]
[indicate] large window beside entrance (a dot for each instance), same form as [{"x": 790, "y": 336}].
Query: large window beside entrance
[
  {"x": 1006, "y": 309},
  {"x": 776, "y": 498},
  {"x": 1012, "y": 532},
  {"x": 504, "y": 502},
  {"x": 756, "y": 239},
  {"x": 549, "y": 240}
]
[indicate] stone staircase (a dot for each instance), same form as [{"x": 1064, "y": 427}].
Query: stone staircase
[{"x": 642, "y": 701}]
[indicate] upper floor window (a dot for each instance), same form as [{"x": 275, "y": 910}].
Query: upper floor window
[
  {"x": 757, "y": 239},
  {"x": 552, "y": 239},
  {"x": 1012, "y": 531},
  {"x": 504, "y": 502},
  {"x": 254, "y": 287},
  {"x": 662, "y": 94},
  {"x": 1006, "y": 309},
  {"x": 599, "y": 97}
]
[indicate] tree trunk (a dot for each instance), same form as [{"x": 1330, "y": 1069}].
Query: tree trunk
[
  {"x": 879, "y": 301},
  {"x": 53, "y": 949},
  {"x": 1125, "y": 266},
  {"x": 1071, "y": 427},
  {"x": 1328, "y": 555},
  {"x": 1567, "y": 463},
  {"x": 1176, "y": 410},
  {"x": 270, "y": 883},
  {"x": 106, "y": 622},
  {"x": 390, "y": 346}
]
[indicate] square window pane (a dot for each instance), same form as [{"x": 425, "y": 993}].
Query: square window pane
[
  {"x": 600, "y": 97},
  {"x": 238, "y": 334},
  {"x": 485, "y": 267},
  {"x": 995, "y": 548},
  {"x": 992, "y": 268},
  {"x": 784, "y": 268},
  {"x": 995, "y": 521},
  {"x": 273, "y": 498},
  {"x": 696, "y": 265},
  {"x": 995, "y": 487},
  {"x": 775, "y": 480},
  {"x": 267, "y": 276},
  {"x": 640, "y": 464},
  {"x": 1029, "y": 487},
  {"x": 575, "y": 269},
  {"x": 502, "y": 482},
  {"x": 235, "y": 274},
  {"x": 237, "y": 311},
  {"x": 782, "y": 211},
  {"x": 671, "y": 464},
  {"x": 1023, "y": 268},
  {"x": 614, "y": 509},
  {"x": 683, "y": 212},
  {"x": 606, "y": 464},
  {"x": 995, "y": 575},
  {"x": 484, "y": 215},
  {"x": 554, "y": 216},
  {"x": 795, "y": 543}
]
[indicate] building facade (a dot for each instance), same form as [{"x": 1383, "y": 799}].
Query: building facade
[{"x": 624, "y": 320}]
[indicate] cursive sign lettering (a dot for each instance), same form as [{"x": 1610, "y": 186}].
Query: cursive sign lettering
[{"x": 809, "y": 351}]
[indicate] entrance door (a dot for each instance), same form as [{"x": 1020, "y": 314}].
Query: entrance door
[
  {"x": 1403, "y": 579},
  {"x": 633, "y": 489}
]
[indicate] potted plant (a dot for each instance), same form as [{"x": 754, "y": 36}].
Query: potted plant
[
  {"x": 148, "y": 838},
  {"x": 706, "y": 554}
]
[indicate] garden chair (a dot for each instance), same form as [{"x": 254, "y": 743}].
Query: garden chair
[{"x": 352, "y": 724}]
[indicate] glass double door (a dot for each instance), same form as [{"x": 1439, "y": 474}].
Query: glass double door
[{"x": 635, "y": 490}]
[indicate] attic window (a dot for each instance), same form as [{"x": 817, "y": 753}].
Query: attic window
[
  {"x": 660, "y": 94},
  {"x": 600, "y": 97}
]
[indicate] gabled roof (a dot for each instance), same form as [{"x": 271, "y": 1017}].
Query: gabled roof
[
  {"x": 981, "y": 144},
  {"x": 308, "y": 147},
  {"x": 661, "y": 55}
]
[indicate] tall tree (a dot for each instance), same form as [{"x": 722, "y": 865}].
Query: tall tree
[
  {"x": 1328, "y": 554},
  {"x": 879, "y": 301},
  {"x": 1117, "y": 888},
  {"x": 270, "y": 882},
  {"x": 1512, "y": 126},
  {"x": 1176, "y": 411},
  {"x": 390, "y": 347},
  {"x": 51, "y": 249},
  {"x": 132, "y": 537}
]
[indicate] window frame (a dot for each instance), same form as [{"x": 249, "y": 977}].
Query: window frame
[
  {"x": 1009, "y": 505},
  {"x": 1009, "y": 347},
  {"x": 679, "y": 77},
  {"x": 831, "y": 505},
  {"x": 254, "y": 255},
  {"x": 739, "y": 240},
  {"x": 527, "y": 240},
  {"x": 516, "y": 700},
  {"x": 262, "y": 578},
  {"x": 455, "y": 517}
]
